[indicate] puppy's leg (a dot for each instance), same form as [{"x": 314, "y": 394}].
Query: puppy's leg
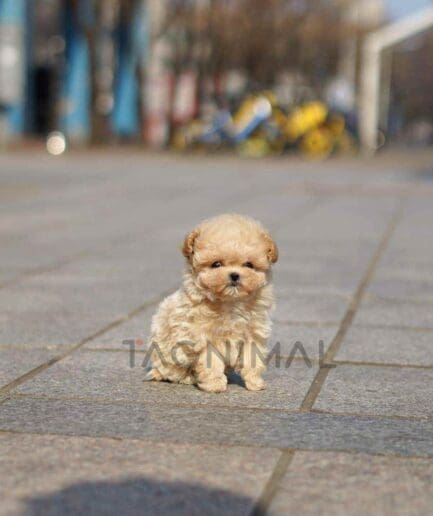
[
  {"x": 154, "y": 375},
  {"x": 209, "y": 371},
  {"x": 252, "y": 366},
  {"x": 171, "y": 365},
  {"x": 188, "y": 380},
  {"x": 168, "y": 374}
]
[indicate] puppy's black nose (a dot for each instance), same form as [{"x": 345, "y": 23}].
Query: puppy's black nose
[{"x": 234, "y": 276}]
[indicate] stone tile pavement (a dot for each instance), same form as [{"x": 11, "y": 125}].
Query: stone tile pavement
[{"x": 89, "y": 244}]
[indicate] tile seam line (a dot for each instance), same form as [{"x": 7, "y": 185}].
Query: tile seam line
[
  {"x": 370, "y": 415},
  {"x": 408, "y": 189},
  {"x": 307, "y": 207},
  {"x": 90, "y": 252},
  {"x": 309, "y": 324},
  {"x": 393, "y": 300},
  {"x": 144, "y": 441},
  {"x": 265, "y": 499},
  {"x": 392, "y": 327},
  {"x": 117, "y": 322},
  {"x": 198, "y": 406},
  {"x": 347, "y": 451},
  {"x": 266, "y": 496},
  {"x": 361, "y": 363},
  {"x": 36, "y": 271}
]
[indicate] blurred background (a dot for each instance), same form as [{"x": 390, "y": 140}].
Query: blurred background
[{"x": 258, "y": 76}]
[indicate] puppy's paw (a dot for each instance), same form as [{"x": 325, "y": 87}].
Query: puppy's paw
[
  {"x": 188, "y": 380},
  {"x": 255, "y": 384},
  {"x": 153, "y": 375},
  {"x": 214, "y": 384}
]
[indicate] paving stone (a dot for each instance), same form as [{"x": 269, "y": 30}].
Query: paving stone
[
  {"x": 52, "y": 329},
  {"x": 403, "y": 278},
  {"x": 348, "y": 260},
  {"x": 387, "y": 391},
  {"x": 10, "y": 274},
  {"x": 344, "y": 281},
  {"x": 395, "y": 313},
  {"x": 316, "y": 308},
  {"x": 16, "y": 362},
  {"x": 355, "y": 218},
  {"x": 137, "y": 328},
  {"x": 134, "y": 259},
  {"x": 108, "y": 376},
  {"x": 357, "y": 484},
  {"x": 292, "y": 336},
  {"x": 407, "y": 251},
  {"x": 387, "y": 346},
  {"x": 69, "y": 475},
  {"x": 38, "y": 316},
  {"x": 321, "y": 251},
  {"x": 23, "y": 222},
  {"x": 408, "y": 289},
  {"x": 219, "y": 425},
  {"x": 421, "y": 221},
  {"x": 283, "y": 290},
  {"x": 72, "y": 292},
  {"x": 27, "y": 255},
  {"x": 406, "y": 262}
]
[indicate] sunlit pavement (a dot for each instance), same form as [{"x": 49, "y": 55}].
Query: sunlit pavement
[{"x": 90, "y": 243}]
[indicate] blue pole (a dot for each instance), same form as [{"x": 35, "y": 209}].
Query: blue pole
[
  {"x": 75, "y": 119},
  {"x": 132, "y": 45},
  {"x": 13, "y": 76}
]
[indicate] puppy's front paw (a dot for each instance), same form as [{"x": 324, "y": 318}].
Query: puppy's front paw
[
  {"x": 188, "y": 380},
  {"x": 153, "y": 375},
  {"x": 255, "y": 384},
  {"x": 214, "y": 384}
]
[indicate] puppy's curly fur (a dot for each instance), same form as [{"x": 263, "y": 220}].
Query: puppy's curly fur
[{"x": 219, "y": 319}]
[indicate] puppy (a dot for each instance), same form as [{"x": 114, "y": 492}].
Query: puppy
[{"x": 219, "y": 319}]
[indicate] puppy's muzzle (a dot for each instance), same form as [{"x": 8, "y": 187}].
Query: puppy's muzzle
[{"x": 234, "y": 278}]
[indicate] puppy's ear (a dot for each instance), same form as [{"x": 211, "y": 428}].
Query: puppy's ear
[
  {"x": 271, "y": 248},
  {"x": 188, "y": 244}
]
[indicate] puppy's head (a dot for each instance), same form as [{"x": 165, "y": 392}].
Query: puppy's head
[{"x": 230, "y": 256}]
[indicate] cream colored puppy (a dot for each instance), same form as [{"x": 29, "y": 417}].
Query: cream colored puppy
[{"x": 219, "y": 319}]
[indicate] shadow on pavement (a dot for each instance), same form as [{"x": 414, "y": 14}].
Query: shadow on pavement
[{"x": 138, "y": 496}]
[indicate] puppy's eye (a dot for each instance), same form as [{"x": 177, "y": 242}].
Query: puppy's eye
[
  {"x": 249, "y": 265},
  {"x": 215, "y": 265}
]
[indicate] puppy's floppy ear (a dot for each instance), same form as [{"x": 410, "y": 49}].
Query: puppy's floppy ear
[
  {"x": 271, "y": 248},
  {"x": 188, "y": 244}
]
